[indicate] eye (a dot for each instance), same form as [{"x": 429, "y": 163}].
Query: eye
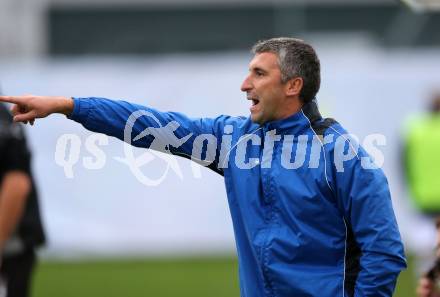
[{"x": 259, "y": 73}]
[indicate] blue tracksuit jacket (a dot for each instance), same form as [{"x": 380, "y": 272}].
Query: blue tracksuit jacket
[{"x": 308, "y": 219}]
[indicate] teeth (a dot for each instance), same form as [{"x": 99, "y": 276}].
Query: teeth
[{"x": 255, "y": 101}]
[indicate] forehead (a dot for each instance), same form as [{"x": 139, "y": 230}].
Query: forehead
[{"x": 265, "y": 60}]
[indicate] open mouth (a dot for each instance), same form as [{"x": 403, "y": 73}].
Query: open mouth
[
  {"x": 254, "y": 106},
  {"x": 255, "y": 101}
]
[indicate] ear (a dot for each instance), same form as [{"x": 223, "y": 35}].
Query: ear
[{"x": 294, "y": 86}]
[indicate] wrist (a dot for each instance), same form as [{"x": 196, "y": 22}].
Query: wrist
[{"x": 65, "y": 105}]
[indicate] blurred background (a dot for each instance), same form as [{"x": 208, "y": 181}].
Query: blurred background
[{"x": 110, "y": 234}]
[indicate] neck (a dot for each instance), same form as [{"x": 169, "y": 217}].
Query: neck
[{"x": 294, "y": 106}]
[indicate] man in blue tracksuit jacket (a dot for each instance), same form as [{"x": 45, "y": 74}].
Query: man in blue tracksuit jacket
[{"x": 312, "y": 214}]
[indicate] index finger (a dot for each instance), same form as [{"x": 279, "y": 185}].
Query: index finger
[{"x": 12, "y": 99}]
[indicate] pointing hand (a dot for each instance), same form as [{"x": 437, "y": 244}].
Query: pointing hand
[{"x": 27, "y": 108}]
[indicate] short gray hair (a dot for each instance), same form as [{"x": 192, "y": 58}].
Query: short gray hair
[{"x": 296, "y": 59}]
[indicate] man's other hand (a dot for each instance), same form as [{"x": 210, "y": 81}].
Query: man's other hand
[{"x": 426, "y": 288}]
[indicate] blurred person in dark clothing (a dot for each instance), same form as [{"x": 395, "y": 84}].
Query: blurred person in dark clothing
[{"x": 20, "y": 224}]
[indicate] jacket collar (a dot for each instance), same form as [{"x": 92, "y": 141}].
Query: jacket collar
[{"x": 308, "y": 114}]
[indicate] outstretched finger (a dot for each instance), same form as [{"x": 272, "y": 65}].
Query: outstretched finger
[{"x": 13, "y": 99}]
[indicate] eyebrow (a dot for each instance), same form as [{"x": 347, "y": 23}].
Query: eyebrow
[{"x": 257, "y": 69}]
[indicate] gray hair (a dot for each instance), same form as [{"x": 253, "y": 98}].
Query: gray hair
[{"x": 295, "y": 59}]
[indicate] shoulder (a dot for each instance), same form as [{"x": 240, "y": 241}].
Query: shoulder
[
  {"x": 9, "y": 129},
  {"x": 328, "y": 130},
  {"x": 326, "y": 125},
  {"x": 5, "y": 115},
  {"x": 236, "y": 124}
]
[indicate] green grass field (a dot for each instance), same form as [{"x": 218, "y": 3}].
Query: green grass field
[{"x": 182, "y": 277}]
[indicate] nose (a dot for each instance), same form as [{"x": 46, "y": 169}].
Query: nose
[{"x": 246, "y": 85}]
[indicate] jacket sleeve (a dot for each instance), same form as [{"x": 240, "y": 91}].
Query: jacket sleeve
[
  {"x": 142, "y": 126},
  {"x": 363, "y": 195}
]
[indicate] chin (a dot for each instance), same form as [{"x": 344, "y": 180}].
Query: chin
[{"x": 257, "y": 120}]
